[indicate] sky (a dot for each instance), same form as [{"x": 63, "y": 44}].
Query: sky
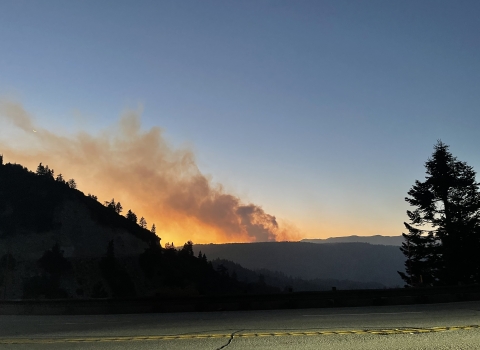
[{"x": 240, "y": 121}]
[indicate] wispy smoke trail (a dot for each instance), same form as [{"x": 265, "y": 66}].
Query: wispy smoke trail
[
  {"x": 142, "y": 171},
  {"x": 16, "y": 115}
]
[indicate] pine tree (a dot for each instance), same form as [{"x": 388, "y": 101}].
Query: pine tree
[
  {"x": 44, "y": 171},
  {"x": 131, "y": 216},
  {"x": 60, "y": 178},
  {"x": 443, "y": 238},
  {"x": 143, "y": 222},
  {"x": 118, "y": 208},
  {"x": 72, "y": 184},
  {"x": 110, "y": 204},
  {"x": 188, "y": 248},
  {"x": 40, "y": 169},
  {"x": 92, "y": 196},
  {"x": 419, "y": 248}
]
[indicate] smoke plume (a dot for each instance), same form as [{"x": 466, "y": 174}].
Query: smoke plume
[{"x": 141, "y": 170}]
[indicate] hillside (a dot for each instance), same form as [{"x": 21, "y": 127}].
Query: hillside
[
  {"x": 359, "y": 262},
  {"x": 377, "y": 239},
  {"x": 56, "y": 242},
  {"x": 37, "y": 211}
]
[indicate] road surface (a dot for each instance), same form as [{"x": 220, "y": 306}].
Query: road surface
[{"x": 434, "y": 326}]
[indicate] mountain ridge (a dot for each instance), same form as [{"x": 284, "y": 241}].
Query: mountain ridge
[
  {"x": 375, "y": 239},
  {"x": 360, "y": 262}
]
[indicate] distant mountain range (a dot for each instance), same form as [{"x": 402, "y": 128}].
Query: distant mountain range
[
  {"x": 287, "y": 283},
  {"x": 359, "y": 262},
  {"x": 377, "y": 239}
]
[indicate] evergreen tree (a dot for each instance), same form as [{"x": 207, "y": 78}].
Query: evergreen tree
[
  {"x": 188, "y": 248},
  {"x": 420, "y": 250},
  {"x": 143, "y": 222},
  {"x": 131, "y": 216},
  {"x": 60, "y": 178},
  {"x": 54, "y": 266},
  {"x": 54, "y": 263},
  {"x": 116, "y": 275},
  {"x": 49, "y": 172},
  {"x": 443, "y": 238},
  {"x": 40, "y": 169},
  {"x": 72, "y": 184},
  {"x": 153, "y": 229},
  {"x": 111, "y": 205},
  {"x": 118, "y": 208},
  {"x": 92, "y": 196},
  {"x": 44, "y": 170}
]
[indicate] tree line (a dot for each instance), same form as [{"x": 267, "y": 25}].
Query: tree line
[{"x": 44, "y": 170}]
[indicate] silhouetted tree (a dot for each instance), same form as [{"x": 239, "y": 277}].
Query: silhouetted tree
[
  {"x": 54, "y": 263},
  {"x": 116, "y": 276},
  {"x": 40, "y": 169},
  {"x": 153, "y": 229},
  {"x": 92, "y": 196},
  {"x": 54, "y": 266},
  {"x": 151, "y": 260},
  {"x": 111, "y": 204},
  {"x": 44, "y": 171},
  {"x": 131, "y": 216},
  {"x": 49, "y": 172},
  {"x": 72, "y": 184},
  {"x": 60, "y": 178},
  {"x": 143, "y": 222},
  {"x": 421, "y": 252},
  {"x": 188, "y": 248},
  {"x": 443, "y": 238},
  {"x": 118, "y": 208}
]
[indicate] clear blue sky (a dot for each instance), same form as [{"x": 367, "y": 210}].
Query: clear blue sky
[{"x": 321, "y": 112}]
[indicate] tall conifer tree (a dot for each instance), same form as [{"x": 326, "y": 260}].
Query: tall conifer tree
[{"x": 443, "y": 239}]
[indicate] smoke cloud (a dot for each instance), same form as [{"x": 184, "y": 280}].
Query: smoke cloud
[{"x": 141, "y": 170}]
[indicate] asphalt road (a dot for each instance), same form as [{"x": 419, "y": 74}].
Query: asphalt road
[{"x": 434, "y": 326}]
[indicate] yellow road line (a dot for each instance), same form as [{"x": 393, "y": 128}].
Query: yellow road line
[{"x": 237, "y": 335}]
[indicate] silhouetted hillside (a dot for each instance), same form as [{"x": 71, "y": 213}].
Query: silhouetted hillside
[
  {"x": 359, "y": 262},
  {"x": 377, "y": 239},
  {"x": 31, "y": 203},
  {"x": 56, "y": 242}
]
